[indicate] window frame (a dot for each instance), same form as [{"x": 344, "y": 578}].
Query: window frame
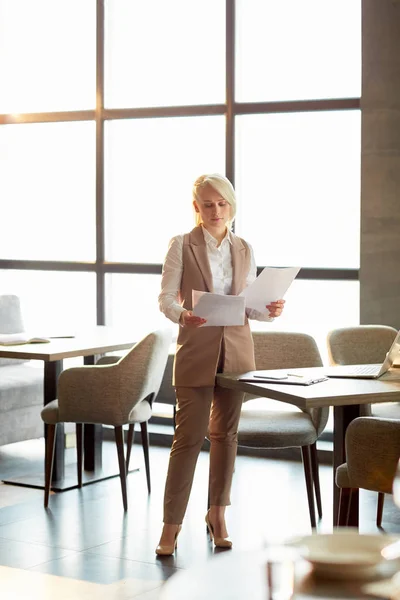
[{"x": 230, "y": 109}]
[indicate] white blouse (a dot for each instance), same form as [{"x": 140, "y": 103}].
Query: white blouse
[{"x": 221, "y": 269}]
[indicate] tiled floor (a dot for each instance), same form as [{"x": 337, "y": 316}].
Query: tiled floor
[{"x": 84, "y": 546}]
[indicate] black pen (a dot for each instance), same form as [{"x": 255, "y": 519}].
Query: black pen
[{"x": 277, "y": 377}]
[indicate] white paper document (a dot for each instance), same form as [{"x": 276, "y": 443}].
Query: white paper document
[
  {"x": 14, "y": 339},
  {"x": 218, "y": 309},
  {"x": 271, "y": 285}
]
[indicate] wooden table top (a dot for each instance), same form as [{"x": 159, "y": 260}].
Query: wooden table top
[
  {"x": 96, "y": 340},
  {"x": 333, "y": 392}
]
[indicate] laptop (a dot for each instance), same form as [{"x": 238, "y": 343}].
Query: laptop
[{"x": 368, "y": 371}]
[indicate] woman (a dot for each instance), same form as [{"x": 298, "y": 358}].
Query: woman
[{"x": 210, "y": 258}]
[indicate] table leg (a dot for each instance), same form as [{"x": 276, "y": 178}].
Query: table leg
[
  {"x": 92, "y": 442},
  {"x": 342, "y": 417},
  {"x": 92, "y": 437},
  {"x": 52, "y": 371}
]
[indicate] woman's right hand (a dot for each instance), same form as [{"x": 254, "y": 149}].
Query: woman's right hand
[{"x": 188, "y": 319}]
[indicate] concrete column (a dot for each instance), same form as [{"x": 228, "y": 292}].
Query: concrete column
[{"x": 380, "y": 164}]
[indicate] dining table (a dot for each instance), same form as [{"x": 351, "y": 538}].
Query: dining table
[
  {"x": 264, "y": 574},
  {"x": 345, "y": 395},
  {"x": 88, "y": 344}
]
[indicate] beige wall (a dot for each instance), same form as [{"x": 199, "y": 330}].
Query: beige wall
[{"x": 380, "y": 164}]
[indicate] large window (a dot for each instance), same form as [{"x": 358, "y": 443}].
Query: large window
[
  {"x": 53, "y": 302},
  {"x": 298, "y": 182},
  {"x": 315, "y": 307},
  {"x": 48, "y": 191},
  {"x": 110, "y": 109},
  {"x": 47, "y": 55},
  {"x": 132, "y": 303},
  {"x": 150, "y": 165},
  {"x": 295, "y": 50},
  {"x": 161, "y": 53}
]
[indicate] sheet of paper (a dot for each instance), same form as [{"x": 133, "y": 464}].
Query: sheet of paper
[
  {"x": 271, "y": 285},
  {"x": 218, "y": 309}
]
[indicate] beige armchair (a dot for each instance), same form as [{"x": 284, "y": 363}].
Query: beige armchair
[
  {"x": 110, "y": 394},
  {"x": 270, "y": 424},
  {"x": 362, "y": 345},
  {"x": 372, "y": 454}
]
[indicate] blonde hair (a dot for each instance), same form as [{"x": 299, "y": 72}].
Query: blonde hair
[{"x": 222, "y": 185}]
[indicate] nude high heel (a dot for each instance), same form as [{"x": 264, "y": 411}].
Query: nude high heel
[
  {"x": 164, "y": 550},
  {"x": 219, "y": 542}
]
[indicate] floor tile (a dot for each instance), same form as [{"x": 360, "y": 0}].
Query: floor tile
[
  {"x": 23, "y": 555},
  {"x": 96, "y": 568},
  {"x": 21, "y": 510},
  {"x": 153, "y": 595},
  {"x": 26, "y": 585},
  {"x": 77, "y": 531},
  {"x": 193, "y": 546},
  {"x": 133, "y": 589}
]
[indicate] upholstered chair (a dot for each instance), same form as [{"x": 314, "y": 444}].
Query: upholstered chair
[
  {"x": 11, "y": 320},
  {"x": 270, "y": 424},
  {"x": 21, "y": 383},
  {"x": 372, "y": 454},
  {"x": 110, "y": 393},
  {"x": 362, "y": 345}
]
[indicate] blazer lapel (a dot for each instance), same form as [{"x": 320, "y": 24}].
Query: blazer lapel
[
  {"x": 238, "y": 252},
  {"x": 199, "y": 249}
]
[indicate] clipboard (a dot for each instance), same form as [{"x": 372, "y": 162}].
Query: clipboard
[{"x": 252, "y": 377}]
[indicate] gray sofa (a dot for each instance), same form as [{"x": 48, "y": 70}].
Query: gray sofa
[{"x": 21, "y": 384}]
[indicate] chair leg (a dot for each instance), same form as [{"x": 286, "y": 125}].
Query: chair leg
[
  {"x": 174, "y": 417},
  {"x": 315, "y": 473},
  {"x": 344, "y": 507},
  {"x": 145, "y": 444},
  {"x": 379, "y": 511},
  {"x": 49, "y": 460},
  {"x": 119, "y": 440},
  {"x": 79, "y": 451},
  {"x": 306, "y": 456},
  {"x": 131, "y": 437}
]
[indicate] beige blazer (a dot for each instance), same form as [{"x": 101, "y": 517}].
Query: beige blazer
[{"x": 198, "y": 350}]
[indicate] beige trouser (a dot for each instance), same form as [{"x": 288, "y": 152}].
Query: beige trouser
[{"x": 201, "y": 410}]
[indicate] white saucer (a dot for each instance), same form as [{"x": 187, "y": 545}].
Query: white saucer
[{"x": 345, "y": 553}]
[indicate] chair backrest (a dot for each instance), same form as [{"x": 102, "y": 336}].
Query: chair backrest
[
  {"x": 372, "y": 453},
  {"x": 141, "y": 370},
  {"x": 107, "y": 393},
  {"x": 290, "y": 350},
  {"x": 361, "y": 344},
  {"x": 10, "y": 314},
  {"x": 285, "y": 350}
]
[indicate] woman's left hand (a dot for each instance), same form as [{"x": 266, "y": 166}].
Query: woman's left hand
[{"x": 275, "y": 308}]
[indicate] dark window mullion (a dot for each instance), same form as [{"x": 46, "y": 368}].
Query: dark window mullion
[
  {"x": 100, "y": 229},
  {"x": 47, "y": 117},
  {"x": 230, "y": 91},
  {"x": 287, "y": 106}
]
